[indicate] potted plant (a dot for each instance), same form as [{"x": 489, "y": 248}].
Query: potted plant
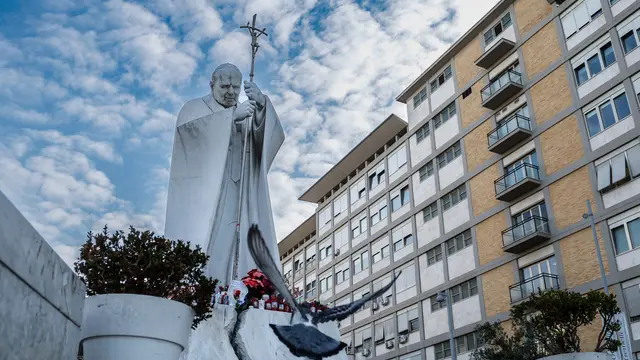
[{"x": 145, "y": 293}]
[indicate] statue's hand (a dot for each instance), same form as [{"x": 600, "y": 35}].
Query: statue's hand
[
  {"x": 253, "y": 93},
  {"x": 244, "y": 110}
]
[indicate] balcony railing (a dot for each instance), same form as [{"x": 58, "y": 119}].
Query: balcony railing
[
  {"x": 540, "y": 282},
  {"x": 501, "y": 89},
  {"x": 516, "y": 182},
  {"x": 510, "y": 132},
  {"x": 525, "y": 234}
]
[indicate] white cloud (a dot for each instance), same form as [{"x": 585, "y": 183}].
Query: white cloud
[{"x": 96, "y": 91}]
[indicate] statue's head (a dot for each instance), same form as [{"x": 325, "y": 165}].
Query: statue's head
[{"x": 225, "y": 84}]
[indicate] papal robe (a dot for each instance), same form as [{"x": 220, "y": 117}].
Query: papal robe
[{"x": 204, "y": 184}]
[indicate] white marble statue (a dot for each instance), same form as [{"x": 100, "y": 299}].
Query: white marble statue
[{"x": 206, "y": 169}]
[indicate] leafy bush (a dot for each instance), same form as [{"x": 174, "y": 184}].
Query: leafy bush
[
  {"x": 547, "y": 324},
  {"x": 146, "y": 264}
]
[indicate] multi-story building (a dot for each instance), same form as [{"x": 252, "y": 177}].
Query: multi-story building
[{"x": 482, "y": 193}]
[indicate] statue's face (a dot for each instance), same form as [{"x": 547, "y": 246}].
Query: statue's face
[{"x": 226, "y": 88}]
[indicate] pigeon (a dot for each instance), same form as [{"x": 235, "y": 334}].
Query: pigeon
[{"x": 303, "y": 338}]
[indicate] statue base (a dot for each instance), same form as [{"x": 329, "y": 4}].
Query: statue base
[{"x": 246, "y": 337}]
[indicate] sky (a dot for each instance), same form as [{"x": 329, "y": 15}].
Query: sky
[{"x": 91, "y": 89}]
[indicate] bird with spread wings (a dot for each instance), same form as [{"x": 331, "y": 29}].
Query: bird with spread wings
[{"x": 302, "y": 336}]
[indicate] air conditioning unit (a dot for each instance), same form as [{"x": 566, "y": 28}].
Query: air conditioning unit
[
  {"x": 375, "y": 306},
  {"x": 350, "y": 350},
  {"x": 385, "y": 301},
  {"x": 389, "y": 344},
  {"x": 366, "y": 352},
  {"x": 337, "y": 252},
  {"x": 403, "y": 338}
]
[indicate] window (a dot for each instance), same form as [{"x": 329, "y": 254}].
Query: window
[
  {"x": 546, "y": 266},
  {"x": 377, "y": 177},
  {"x": 326, "y": 250},
  {"x": 380, "y": 250},
  {"x": 629, "y": 40},
  {"x": 402, "y": 236},
  {"x": 468, "y": 342},
  {"x": 442, "y": 350},
  {"x": 539, "y": 210},
  {"x": 298, "y": 263},
  {"x": 441, "y": 79},
  {"x": 444, "y": 115},
  {"x": 310, "y": 289},
  {"x": 342, "y": 272},
  {"x": 464, "y": 343},
  {"x": 430, "y": 212},
  {"x": 340, "y": 205},
  {"x": 287, "y": 269},
  {"x": 379, "y": 284},
  {"x": 341, "y": 238},
  {"x": 379, "y": 212},
  {"x": 311, "y": 256},
  {"x": 434, "y": 255},
  {"x": 326, "y": 284},
  {"x": 397, "y": 160},
  {"x": 454, "y": 197},
  {"x": 362, "y": 339},
  {"x": 458, "y": 242},
  {"x": 580, "y": 16},
  {"x": 420, "y": 97},
  {"x": 359, "y": 226},
  {"x": 619, "y": 169},
  {"x": 401, "y": 199},
  {"x": 464, "y": 290},
  {"x": 449, "y": 155},
  {"x": 466, "y": 93},
  {"x": 361, "y": 262},
  {"x": 406, "y": 280},
  {"x": 497, "y": 29},
  {"x": 422, "y": 133},
  {"x": 626, "y": 236},
  {"x": 632, "y": 298},
  {"x": 517, "y": 171},
  {"x": 408, "y": 321},
  {"x": 426, "y": 171},
  {"x": 324, "y": 217},
  {"x": 593, "y": 64},
  {"x": 608, "y": 112},
  {"x": 384, "y": 331},
  {"x": 435, "y": 304},
  {"x": 358, "y": 190}
]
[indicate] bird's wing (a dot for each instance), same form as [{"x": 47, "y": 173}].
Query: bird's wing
[
  {"x": 307, "y": 341},
  {"x": 342, "y": 311},
  {"x": 263, "y": 259}
]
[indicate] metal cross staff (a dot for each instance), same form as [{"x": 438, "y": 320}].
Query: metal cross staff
[{"x": 255, "y": 33}]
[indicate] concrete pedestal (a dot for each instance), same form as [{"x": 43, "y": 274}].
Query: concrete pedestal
[{"x": 249, "y": 334}]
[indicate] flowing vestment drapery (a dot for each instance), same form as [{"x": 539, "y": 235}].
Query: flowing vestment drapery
[{"x": 205, "y": 180}]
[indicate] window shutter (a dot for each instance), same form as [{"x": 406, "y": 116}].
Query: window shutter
[
  {"x": 388, "y": 329},
  {"x": 618, "y": 168},
  {"x": 633, "y": 155},
  {"x": 358, "y": 339},
  {"x": 632, "y": 297},
  {"x": 403, "y": 323},
  {"x": 379, "y": 332},
  {"x": 366, "y": 334},
  {"x": 604, "y": 175},
  {"x": 582, "y": 16},
  {"x": 569, "y": 25},
  {"x": 593, "y": 6}
]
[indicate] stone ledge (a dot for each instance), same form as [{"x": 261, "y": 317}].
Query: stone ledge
[{"x": 253, "y": 339}]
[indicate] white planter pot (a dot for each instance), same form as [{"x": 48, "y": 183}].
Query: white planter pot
[{"x": 133, "y": 327}]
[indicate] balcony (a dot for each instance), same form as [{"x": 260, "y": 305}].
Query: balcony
[
  {"x": 525, "y": 234},
  {"x": 495, "y": 53},
  {"x": 540, "y": 282},
  {"x": 509, "y": 133},
  {"x": 524, "y": 178},
  {"x": 501, "y": 89}
]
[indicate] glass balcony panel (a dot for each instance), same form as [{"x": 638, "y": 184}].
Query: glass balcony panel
[
  {"x": 500, "y": 82},
  {"x": 517, "y": 125},
  {"x": 537, "y": 283},
  {"x": 513, "y": 177}
]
